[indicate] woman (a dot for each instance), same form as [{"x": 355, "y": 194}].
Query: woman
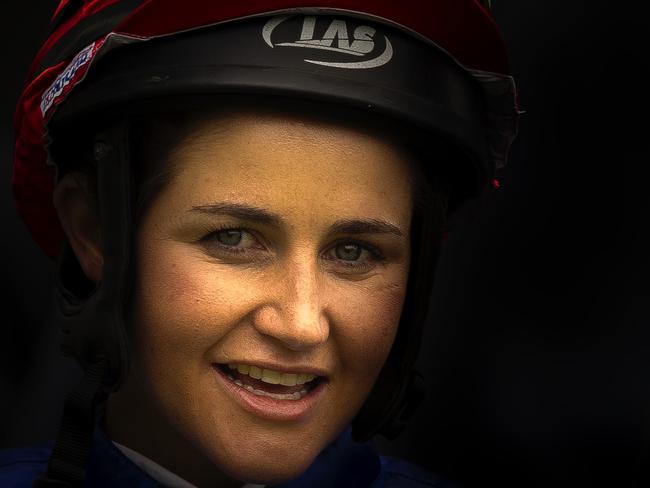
[{"x": 251, "y": 198}]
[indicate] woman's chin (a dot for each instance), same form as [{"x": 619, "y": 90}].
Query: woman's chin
[
  {"x": 267, "y": 468},
  {"x": 257, "y": 450}
]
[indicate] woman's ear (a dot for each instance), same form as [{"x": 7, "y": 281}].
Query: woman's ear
[{"x": 75, "y": 205}]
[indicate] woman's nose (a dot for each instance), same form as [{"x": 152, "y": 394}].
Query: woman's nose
[{"x": 294, "y": 312}]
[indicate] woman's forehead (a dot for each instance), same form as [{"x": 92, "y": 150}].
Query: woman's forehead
[
  {"x": 286, "y": 146},
  {"x": 290, "y": 163}
]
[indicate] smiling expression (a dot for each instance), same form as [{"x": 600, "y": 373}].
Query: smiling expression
[{"x": 280, "y": 243}]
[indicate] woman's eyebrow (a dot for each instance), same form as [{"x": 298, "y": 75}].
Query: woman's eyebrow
[
  {"x": 263, "y": 216},
  {"x": 365, "y": 226},
  {"x": 240, "y": 211}
]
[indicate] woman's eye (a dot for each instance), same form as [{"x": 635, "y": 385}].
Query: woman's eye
[
  {"x": 348, "y": 252},
  {"x": 229, "y": 237},
  {"x": 354, "y": 257},
  {"x": 232, "y": 241}
]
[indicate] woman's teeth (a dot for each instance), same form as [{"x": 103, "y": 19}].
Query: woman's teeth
[
  {"x": 278, "y": 396},
  {"x": 272, "y": 377}
]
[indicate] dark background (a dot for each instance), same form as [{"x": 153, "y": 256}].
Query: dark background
[{"x": 539, "y": 362}]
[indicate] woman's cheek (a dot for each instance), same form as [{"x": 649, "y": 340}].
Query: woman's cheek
[
  {"x": 193, "y": 299},
  {"x": 369, "y": 318}
]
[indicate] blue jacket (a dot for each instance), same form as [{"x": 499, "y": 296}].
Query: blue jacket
[{"x": 343, "y": 464}]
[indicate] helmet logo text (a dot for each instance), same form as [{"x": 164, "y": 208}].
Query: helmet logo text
[
  {"x": 336, "y": 38},
  {"x": 64, "y": 79}
]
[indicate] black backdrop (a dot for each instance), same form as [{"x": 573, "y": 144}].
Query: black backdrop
[{"x": 539, "y": 363}]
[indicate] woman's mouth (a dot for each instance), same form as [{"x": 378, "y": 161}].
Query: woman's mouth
[
  {"x": 267, "y": 382},
  {"x": 269, "y": 393}
]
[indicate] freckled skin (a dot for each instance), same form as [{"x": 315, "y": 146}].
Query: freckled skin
[{"x": 288, "y": 300}]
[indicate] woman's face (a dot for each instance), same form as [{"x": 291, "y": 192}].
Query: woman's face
[{"x": 280, "y": 245}]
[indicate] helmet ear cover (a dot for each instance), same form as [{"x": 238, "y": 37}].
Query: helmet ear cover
[{"x": 91, "y": 317}]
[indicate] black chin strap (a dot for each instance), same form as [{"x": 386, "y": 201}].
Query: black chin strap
[{"x": 67, "y": 465}]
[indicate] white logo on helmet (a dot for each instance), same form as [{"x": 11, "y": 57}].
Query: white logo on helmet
[
  {"x": 55, "y": 89},
  {"x": 337, "y": 39}
]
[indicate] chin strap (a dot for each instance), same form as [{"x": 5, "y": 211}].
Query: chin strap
[{"x": 67, "y": 465}]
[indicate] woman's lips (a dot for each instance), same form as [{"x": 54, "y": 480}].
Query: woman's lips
[{"x": 276, "y": 407}]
